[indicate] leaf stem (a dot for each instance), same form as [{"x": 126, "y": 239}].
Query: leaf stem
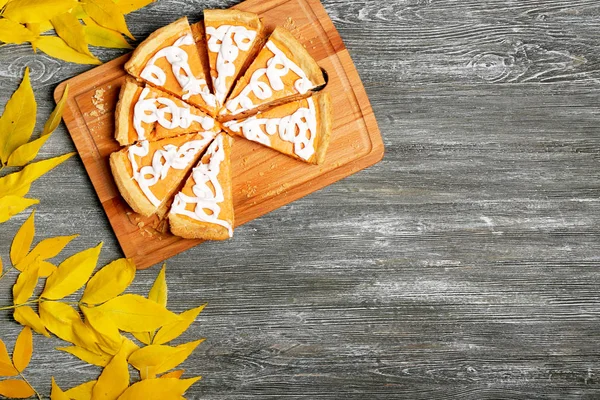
[
  {"x": 30, "y": 385},
  {"x": 18, "y": 305}
]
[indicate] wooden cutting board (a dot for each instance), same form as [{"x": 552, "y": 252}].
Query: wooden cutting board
[{"x": 264, "y": 180}]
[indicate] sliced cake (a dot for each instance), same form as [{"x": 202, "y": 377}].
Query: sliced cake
[
  {"x": 148, "y": 173},
  {"x": 203, "y": 209},
  {"x": 169, "y": 59},
  {"x": 232, "y": 38},
  {"x": 146, "y": 113},
  {"x": 300, "y": 129},
  {"x": 283, "y": 71}
]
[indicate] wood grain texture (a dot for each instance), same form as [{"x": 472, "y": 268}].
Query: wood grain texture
[
  {"x": 463, "y": 266},
  {"x": 263, "y": 180}
]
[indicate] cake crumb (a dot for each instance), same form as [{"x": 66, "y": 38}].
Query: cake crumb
[{"x": 98, "y": 102}]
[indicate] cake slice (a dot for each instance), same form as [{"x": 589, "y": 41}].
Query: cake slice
[
  {"x": 232, "y": 38},
  {"x": 146, "y": 113},
  {"x": 300, "y": 129},
  {"x": 149, "y": 173},
  {"x": 169, "y": 59},
  {"x": 203, "y": 209},
  {"x": 283, "y": 71}
]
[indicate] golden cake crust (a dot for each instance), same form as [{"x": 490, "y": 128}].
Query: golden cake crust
[
  {"x": 129, "y": 93},
  {"x": 323, "y": 103},
  {"x": 127, "y": 186}
]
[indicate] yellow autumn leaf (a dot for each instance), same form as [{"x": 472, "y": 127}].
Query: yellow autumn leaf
[
  {"x": 81, "y": 392},
  {"x": 28, "y": 151},
  {"x": 3, "y": 3},
  {"x": 159, "y": 291},
  {"x": 114, "y": 379},
  {"x": 6, "y": 365},
  {"x": 100, "y": 360},
  {"x": 60, "y": 319},
  {"x": 143, "y": 337},
  {"x": 127, "y": 6},
  {"x": 173, "y": 330},
  {"x": 156, "y": 359},
  {"x": 173, "y": 374},
  {"x": 22, "y": 241},
  {"x": 44, "y": 250},
  {"x": 56, "y": 392},
  {"x": 27, "y": 317},
  {"x": 13, "y": 32},
  {"x": 26, "y": 283},
  {"x": 13, "y": 205},
  {"x": 13, "y": 183},
  {"x": 109, "y": 282},
  {"x": 18, "y": 120},
  {"x": 32, "y": 11},
  {"x": 67, "y": 27},
  {"x": 158, "y": 389},
  {"x": 15, "y": 389},
  {"x": 23, "y": 349},
  {"x": 71, "y": 274},
  {"x": 21, "y": 191},
  {"x": 107, "y": 14},
  {"x": 58, "y": 48},
  {"x": 97, "y": 35},
  {"x": 78, "y": 11},
  {"x": 134, "y": 313},
  {"x": 86, "y": 337}
]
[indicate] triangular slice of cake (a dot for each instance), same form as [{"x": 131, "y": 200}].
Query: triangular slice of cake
[
  {"x": 148, "y": 174},
  {"x": 232, "y": 38},
  {"x": 283, "y": 71},
  {"x": 203, "y": 209},
  {"x": 146, "y": 113},
  {"x": 169, "y": 59},
  {"x": 300, "y": 129}
]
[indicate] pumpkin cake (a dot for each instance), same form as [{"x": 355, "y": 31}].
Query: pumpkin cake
[
  {"x": 149, "y": 173},
  {"x": 283, "y": 71},
  {"x": 203, "y": 209},
  {"x": 300, "y": 129},
  {"x": 169, "y": 59},
  {"x": 232, "y": 38},
  {"x": 146, "y": 113}
]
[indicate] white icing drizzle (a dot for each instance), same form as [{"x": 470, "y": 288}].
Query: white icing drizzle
[
  {"x": 277, "y": 67},
  {"x": 163, "y": 160},
  {"x": 227, "y": 41},
  {"x": 150, "y": 110},
  {"x": 178, "y": 59},
  {"x": 299, "y": 128},
  {"x": 205, "y": 176}
]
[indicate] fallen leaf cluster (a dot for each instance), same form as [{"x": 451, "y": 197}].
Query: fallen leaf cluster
[
  {"x": 18, "y": 150},
  {"x": 96, "y": 325},
  {"x": 27, "y": 21}
]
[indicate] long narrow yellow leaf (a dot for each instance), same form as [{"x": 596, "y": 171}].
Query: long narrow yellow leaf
[
  {"x": 156, "y": 359},
  {"x": 114, "y": 379},
  {"x": 86, "y": 337},
  {"x": 173, "y": 374},
  {"x": 27, "y": 317},
  {"x": 13, "y": 183},
  {"x": 58, "y": 48},
  {"x": 67, "y": 26},
  {"x": 109, "y": 282},
  {"x": 107, "y": 14},
  {"x": 173, "y": 330},
  {"x": 45, "y": 249},
  {"x": 54, "y": 119},
  {"x": 71, "y": 274},
  {"x": 26, "y": 283},
  {"x": 13, "y": 32},
  {"x": 23, "y": 239},
  {"x": 18, "y": 120},
  {"x": 159, "y": 291},
  {"x": 100, "y": 360},
  {"x": 134, "y": 313},
  {"x": 6, "y": 365},
  {"x": 100, "y": 36},
  {"x": 32, "y": 11},
  {"x": 59, "y": 318},
  {"x": 57, "y": 393},
  {"x": 81, "y": 392},
  {"x": 158, "y": 389},
  {"x": 23, "y": 349},
  {"x": 107, "y": 331},
  {"x": 15, "y": 389},
  {"x": 127, "y": 6},
  {"x": 143, "y": 337},
  {"x": 13, "y": 205}
]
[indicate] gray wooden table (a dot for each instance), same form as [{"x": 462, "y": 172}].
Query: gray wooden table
[{"x": 463, "y": 266}]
